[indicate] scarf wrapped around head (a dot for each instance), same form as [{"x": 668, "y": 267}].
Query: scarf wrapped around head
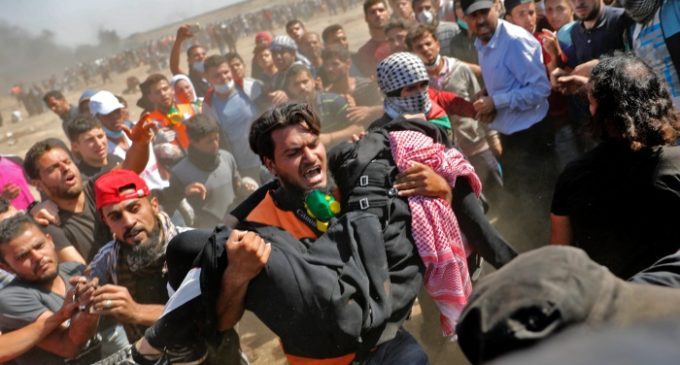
[
  {"x": 178, "y": 77},
  {"x": 642, "y": 11},
  {"x": 398, "y": 71}
]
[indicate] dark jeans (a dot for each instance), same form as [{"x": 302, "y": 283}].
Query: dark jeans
[
  {"x": 488, "y": 169},
  {"x": 403, "y": 349},
  {"x": 474, "y": 224},
  {"x": 529, "y": 176},
  {"x": 185, "y": 325}
]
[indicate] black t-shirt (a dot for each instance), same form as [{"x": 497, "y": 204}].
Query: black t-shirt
[
  {"x": 618, "y": 201},
  {"x": 58, "y": 237},
  {"x": 88, "y": 171},
  {"x": 200, "y": 84},
  {"x": 606, "y": 37},
  {"x": 85, "y": 230}
]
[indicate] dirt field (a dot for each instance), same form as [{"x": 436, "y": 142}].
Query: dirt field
[{"x": 261, "y": 345}]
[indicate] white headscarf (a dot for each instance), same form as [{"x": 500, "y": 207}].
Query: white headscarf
[{"x": 178, "y": 77}]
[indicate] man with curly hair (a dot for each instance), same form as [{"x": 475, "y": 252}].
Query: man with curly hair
[{"x": 609, "y": 202}]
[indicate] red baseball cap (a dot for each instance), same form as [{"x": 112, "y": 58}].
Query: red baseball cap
[
  {"x": 264, "y": 37},
  {"x": 109, "y": 187}
]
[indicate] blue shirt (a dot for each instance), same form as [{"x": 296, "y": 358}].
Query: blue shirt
[
  {"x": 649, "y": 43},
  {"x": 235, "y": 115},
  {"x": 515, "y": 78}
]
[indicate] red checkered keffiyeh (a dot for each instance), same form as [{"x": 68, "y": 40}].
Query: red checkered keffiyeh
[{"x": 434, "y": 226}]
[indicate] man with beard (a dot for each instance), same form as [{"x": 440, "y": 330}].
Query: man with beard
[
  {"x": 42, "y": 283},
  {"x": 196, "y": 54},
  {"x": 132, "y": 268},
  {"x": 473, "y": 138},
  {"x": 207, "y": 176},
  {"x": 599, "y": 30},
  {"x": 515, "y": 104},
  {"x": 234, "y": 112},
  {"x": 50, "y": 168},
  {"x": 331, "y": 108},
  {"x": 88, "y": 141}
]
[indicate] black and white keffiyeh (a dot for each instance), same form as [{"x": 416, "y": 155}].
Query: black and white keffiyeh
[
  {"x": 398, "y": 71},
  {"x": 642, "y": 11}
]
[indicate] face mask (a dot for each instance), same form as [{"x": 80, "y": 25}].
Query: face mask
[
  {"x": 113, "y": 134},
  {"x": 414, "y": 104},
  {"x": 425, "y": 17},
  {"x": 224, "y": 88},
  {"x": 462, "y": 24},
  {"x": 433, "y": 66},
  {"x": 198, "y": 67}
]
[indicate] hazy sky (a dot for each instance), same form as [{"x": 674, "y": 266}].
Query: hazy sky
[{"x": 77, "y": 21}]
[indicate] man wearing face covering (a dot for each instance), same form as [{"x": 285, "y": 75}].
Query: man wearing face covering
[
  {"x": 196, "y": 54},
  {"x": 656, "y": 39},
  {"x": 454, "y": 43},
  {"x": 234, "y": 112},
  {"x": 404, "y": 80}
]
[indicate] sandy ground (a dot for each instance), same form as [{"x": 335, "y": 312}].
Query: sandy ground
[{"x": 260, "y": 344}]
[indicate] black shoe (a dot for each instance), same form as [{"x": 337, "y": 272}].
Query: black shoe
[
  {"x": 124, "y": 356},
  {"x": 188, "y": 355}
]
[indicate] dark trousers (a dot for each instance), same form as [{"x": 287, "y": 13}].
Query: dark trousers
[
  {"x": 529, "y": 176},
  {"x": 185, "y": 325}
]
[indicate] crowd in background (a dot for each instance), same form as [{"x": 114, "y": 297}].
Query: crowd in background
[{"x": 497, "y": 127}]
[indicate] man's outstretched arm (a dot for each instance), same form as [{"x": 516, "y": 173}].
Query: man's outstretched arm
[{"x": 182, "y": 34}]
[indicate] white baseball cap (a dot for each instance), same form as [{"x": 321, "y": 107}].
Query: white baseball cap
[{"x": 104, "y": 102}]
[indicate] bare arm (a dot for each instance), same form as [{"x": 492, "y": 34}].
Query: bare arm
[
  {"x": 342, "y": 135},
  {"x": 67, "y": 342},
  {"x": 182, "y": 34},
  {"x": 70, "y": 254},
  {"x": 247, "y": 254},
  {"x": 137, "y": 156},
  {"x": 15, "y": 343},
  {"x": 560, "y": 230}
]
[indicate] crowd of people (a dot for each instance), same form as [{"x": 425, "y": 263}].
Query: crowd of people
[{"x": 327, "y": 189}]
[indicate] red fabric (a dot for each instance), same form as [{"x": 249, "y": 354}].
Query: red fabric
[
  {"x": 107, "y": 188},
  {"x": 546, "y": 56},
  {"x": 440, "y": 245},
  {"x": 185, "y": 111},
  {"x": 451, "y": 103}
]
